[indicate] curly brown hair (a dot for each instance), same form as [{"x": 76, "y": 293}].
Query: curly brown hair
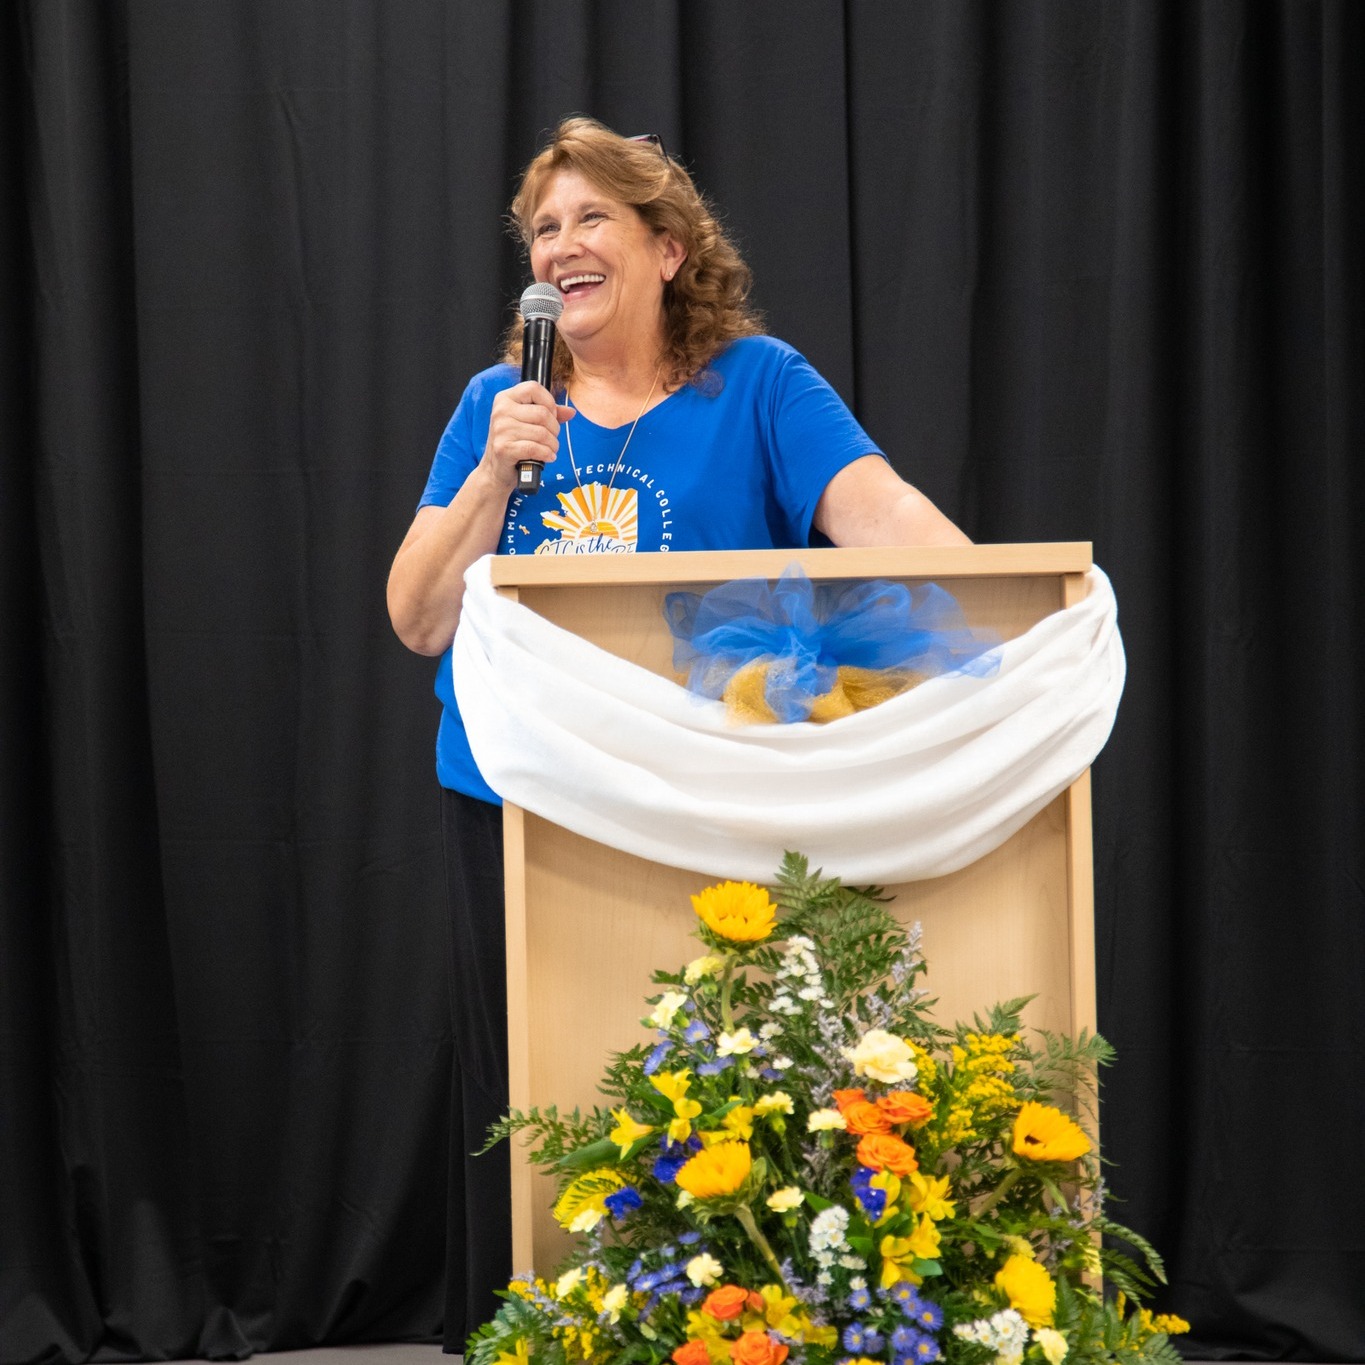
[{"x": 706, "y": 302}]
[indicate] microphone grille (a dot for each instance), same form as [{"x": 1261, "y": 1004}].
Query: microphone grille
[{"x": 542, "y": 301}]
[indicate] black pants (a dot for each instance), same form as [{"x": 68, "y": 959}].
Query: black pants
[{"x": 478, "y": 1218}]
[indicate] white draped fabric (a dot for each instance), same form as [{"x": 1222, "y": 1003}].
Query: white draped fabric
[{"x": 917, "y": 787}]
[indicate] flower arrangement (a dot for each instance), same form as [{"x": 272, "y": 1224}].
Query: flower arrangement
[{"x": 807, "y": 1168}]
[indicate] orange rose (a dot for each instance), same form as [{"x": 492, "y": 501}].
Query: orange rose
[
  {"x": 727, "y": 1302},
  {"x": 901, "y": 1106},
  {"x": 843, "y": 1098},
  {"x": 757, "y": 1348},
  {"x": 863, "y": 1117},
  {"x": 692, "y": 1353},
  {"x": 885, "y": 1152}
]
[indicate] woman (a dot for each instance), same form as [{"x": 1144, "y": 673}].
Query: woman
[{"x": 675, "y": 425}]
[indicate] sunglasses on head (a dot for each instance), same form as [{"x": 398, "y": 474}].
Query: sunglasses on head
[{"x": 654, "y": 139}]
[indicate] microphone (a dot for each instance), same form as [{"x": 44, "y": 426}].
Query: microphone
[{"x": 541, "y": 305}]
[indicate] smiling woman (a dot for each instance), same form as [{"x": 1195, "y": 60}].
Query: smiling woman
[{"x": 684, "y": 428}]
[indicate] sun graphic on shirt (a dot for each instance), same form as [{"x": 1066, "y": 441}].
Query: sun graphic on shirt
[{"x": 596, "y": 510}]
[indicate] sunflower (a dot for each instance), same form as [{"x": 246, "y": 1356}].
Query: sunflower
[
  {"x": 738, "y": 912},
  {"x": 1043, "y": 1133},
  {"x": 716, "y": 1171}
]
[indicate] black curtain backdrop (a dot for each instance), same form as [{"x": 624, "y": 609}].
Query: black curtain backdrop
[{"x": 1087, "y": 270}]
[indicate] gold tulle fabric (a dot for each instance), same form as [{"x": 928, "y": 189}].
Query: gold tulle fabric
[{"x": 855, "y": 689}]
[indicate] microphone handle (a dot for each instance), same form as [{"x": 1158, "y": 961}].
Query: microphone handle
[{"x": 537, "y": 358}]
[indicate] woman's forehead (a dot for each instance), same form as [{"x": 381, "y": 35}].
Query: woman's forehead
[{"x": 568, "y": 188}]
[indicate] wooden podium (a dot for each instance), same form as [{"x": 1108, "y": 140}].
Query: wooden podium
[{"x": 586, "y": 924}]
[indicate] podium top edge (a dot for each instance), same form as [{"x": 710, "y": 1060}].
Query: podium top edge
[{"x": 719, "y": 566}]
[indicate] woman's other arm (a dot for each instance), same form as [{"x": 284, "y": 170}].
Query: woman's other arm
[{"x": 868, "y": 503}]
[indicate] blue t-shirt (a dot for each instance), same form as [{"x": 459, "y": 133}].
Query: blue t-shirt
[{"x": 738, "y": 462}]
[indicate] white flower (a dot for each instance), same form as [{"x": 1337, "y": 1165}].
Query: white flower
[
  {"x": 787, "y": 1198},
  {"x": 824, "y": 1279},
  {"x": 811, "y": 992},
  {"x": 568, "y": 1282},
  {"x": 823, "y": 1120},
  {"x": 852, "y": 1262},
  {"x": 801, "y": 943},
  {"x": 882, "y": 1056},
  {"x": 769, "y": 1031},
  {"x": 736, "y": 1043},
  {"x": 704, "y": 1269},
  {"x": 782, "y": 1063},
  {"x": 1006, "y": 1333},
  {"x": 699, "y": 967},
  {"x": 1053, "y": 1344},
  {"x": 827, "y": 1229},
  {"x": 857, "y": 1282},
  {"x": 667, "y": 1007},
  {"x": 614, "y": 1300},
  {"x": 685, "y": 1197}
]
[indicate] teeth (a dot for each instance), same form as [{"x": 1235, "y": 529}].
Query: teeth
[{"x": 569, "y": 281}]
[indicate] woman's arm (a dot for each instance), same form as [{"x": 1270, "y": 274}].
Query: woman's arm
[
  {"x": 868, "y": 503},
  {"x": 426, "y": 583}
]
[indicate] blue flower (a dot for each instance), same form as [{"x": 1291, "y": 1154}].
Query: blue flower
[
  {"x": 769, "y": 1074},
  {"x": 714, "y": 1068},
  {"x": 903, "y": 1340},
  {"x": 873, "y": 1342},
  {"x": 906, "y": 1296},
  {"x": 692, "y": 1294},
  {"x": 656, "y": 1058},
  {"x": 860, "y": 1300},
  {"x": 696, "y": 1031},
  {"x": 689, "y": 1239},
  {"x": 666, "y": 1168},
  {"x": 621, "y": 1202},
  {"x": 872, "y": 1200},
  {"x": 926, "y": 1350},
  {"x": 928, "y": 1315},
  {"x": 854, "y": 1338}
]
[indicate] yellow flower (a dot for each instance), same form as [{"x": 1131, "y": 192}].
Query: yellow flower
[
  {"x": 582, "y": 1205},
  {"x": 924, "y": 1241},
  {"x": 890, "y": 1184},
  {"x": 926, "y": 1066},
  {"x": 1053, "y": 1344},
  {"x": 779, "y": 1102},
  {"x": 1029, "y": 1289},
  {"x": 614, "y": 1300},
  {"x": 928, "y": 1194},
  {"x": 672, "y": 1085},
  {"x": 568, "y": 1282},
  {"x": 822, "y": 1120},
  {"x": 739, "y": 912},
  {"x": 779, "y": 1310},
  {"x": 1043, "y": 1133},
  {"x": 706, "y": 965},
  {"x": 716, "y": 1171},
  {"x": 627, "y": 1130},
  {"x": 739, "y": 1122},
  {"x": 735, "y": 1044},
  {"x": 520, "y": 1355},
  {"x": 897, "y": 1254},
  {"x": 784, "y": 1200},
  {"x": 1169, "y": 1323}
]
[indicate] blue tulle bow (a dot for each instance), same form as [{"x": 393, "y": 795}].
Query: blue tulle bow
[{"x": 807, "y": 631}]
